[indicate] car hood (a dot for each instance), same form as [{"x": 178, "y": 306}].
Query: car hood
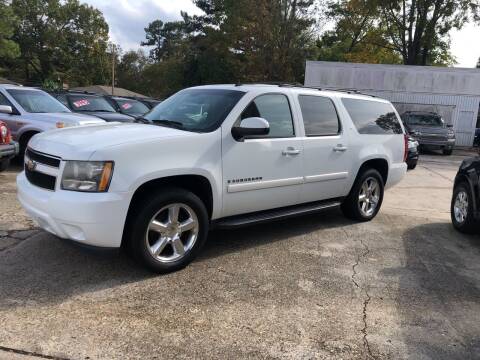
[
  {"x": 110, "y": 116},
  {"x": 79, "y": 143},
  {"x": 67, "y": 117}
]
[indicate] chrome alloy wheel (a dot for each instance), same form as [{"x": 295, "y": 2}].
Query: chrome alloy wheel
[
  {"x": 369, "y": 196},
  {"x": 460, "y": 208},
  {"x": 172, "y": 232}
]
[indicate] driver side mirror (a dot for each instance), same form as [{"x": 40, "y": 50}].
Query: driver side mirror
[
  {"x": 252, "y": 126},
  {"x": 6, "y": 109}
]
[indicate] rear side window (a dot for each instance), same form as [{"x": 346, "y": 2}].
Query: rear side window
[
  {"x": 319, "y": 115},
  {"x": 274, "y": 108},
  {"x": 373, "y": 117}
]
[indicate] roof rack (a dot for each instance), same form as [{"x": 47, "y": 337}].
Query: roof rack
[{"x": 298, "y": 85}]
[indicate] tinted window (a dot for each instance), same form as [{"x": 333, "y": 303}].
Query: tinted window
[
  {"x": 319, "y": 115},
  {"x": 132, "y": 106},
  {"x": 90, "y": 103},
  {"x": 424, "y": 120},
  {"x": 373, "y": 117},
  {"x": 274, "y": 108},
  {"x": 196, "y": 109},
  {"x": 35, "y": 101}
]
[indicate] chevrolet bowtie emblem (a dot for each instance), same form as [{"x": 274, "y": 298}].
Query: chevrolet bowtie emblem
[{"x": 31, "y": 165}]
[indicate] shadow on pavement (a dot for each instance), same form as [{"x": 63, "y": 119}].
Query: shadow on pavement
[
  {"x": 45, "y": 269},
  {"x": 439, "y": 293}
]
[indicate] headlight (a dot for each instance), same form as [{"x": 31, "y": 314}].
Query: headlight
[{"x": 88, "y": 176}]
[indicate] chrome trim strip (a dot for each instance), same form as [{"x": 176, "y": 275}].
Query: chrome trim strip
[
  {"x": 45, "y": 169},
  {"x": 265, "y": 184},
  {"x": 325, "y": 177}
]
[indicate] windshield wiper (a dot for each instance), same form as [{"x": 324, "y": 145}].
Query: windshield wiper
[{"x": 170, "y": 123}]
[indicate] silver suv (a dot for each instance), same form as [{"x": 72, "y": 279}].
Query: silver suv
[{"x": 28, "y": 111}]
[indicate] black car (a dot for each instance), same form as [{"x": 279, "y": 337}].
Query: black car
[
  {"x": 430, "y": 130},
  {"x": 412, "y": 154},
  {"x": 465, "y": 206},
  {"x": 130, "y": 107},
  {"x": 476, "y": 139},
  {"x": 91, "y": 104}
]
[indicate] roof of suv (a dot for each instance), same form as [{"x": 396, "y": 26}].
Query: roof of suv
[
  {"x": 11, "y": 86},
  {"x": 347, "y": 93}
]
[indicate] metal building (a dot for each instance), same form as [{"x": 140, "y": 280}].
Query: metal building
[{"x": 454, "y": 93}]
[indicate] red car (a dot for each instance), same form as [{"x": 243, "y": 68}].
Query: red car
[{"x": 8, "y": 147}]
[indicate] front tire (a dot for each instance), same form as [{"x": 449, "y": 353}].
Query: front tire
[
  {"x": 447, "y": 152},
  {"x": 366, "y": 196},
  {"x": 169, "y": 230},
  {"x": 4, "y": 164},
  {"x": 461, "y": 209},
  {"x": 411, "y": 165}
]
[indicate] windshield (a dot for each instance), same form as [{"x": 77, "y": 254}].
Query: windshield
[
  {"x": 36, "y": 101},
  {"x": 90, "y": 103},
  {"x": 424, "y": 120},
  {"x": 199, "y": 110},
  {"x": 132, "y": 106}
]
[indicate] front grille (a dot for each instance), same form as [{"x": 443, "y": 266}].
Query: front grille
[
  {"x": 40, "y": 179},
  {"x": 43, "y": 158}
]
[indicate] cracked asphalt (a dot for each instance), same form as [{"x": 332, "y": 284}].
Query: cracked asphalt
[{"x": 404, "y": 286}]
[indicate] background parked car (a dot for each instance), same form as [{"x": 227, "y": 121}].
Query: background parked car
[
  {"x": 464, "y": 208},
  {"x": 128, "y": 106},
  {"x": 412, "y": 155},
  {"x": 28, "y": 111},
  {"x": 430, "y": 130},
  {"x": 149, "y": 102},
  {"x": 8, "y": 147},
  {"x": 91, "y": 104}
]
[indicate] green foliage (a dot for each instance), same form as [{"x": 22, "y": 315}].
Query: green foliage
[
  {"x": 51, "y": 85},
  {"x": 9, "y": 49},
  {"x": 64, "y": 40},
  {"x": 408, "y": 31}
]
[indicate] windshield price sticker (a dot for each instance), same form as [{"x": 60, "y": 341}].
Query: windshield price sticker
[
  {"x": 81, "y": 103},
  {"x": 126, "y": 106}
]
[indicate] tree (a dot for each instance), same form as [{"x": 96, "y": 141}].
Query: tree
[
  {"x": 61, "y": 40},
  {"x": 8, "y": 48},
  {"x": 419, "y": 29},
  {"x": 131, "y": 71},
  {"x": 357, "y": 35},
  {"x": 164, "y": 37}
]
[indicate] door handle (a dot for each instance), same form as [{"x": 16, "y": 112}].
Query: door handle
[
  {"x": 340, "y": 148},
  {"x": 290, "y": 151}
]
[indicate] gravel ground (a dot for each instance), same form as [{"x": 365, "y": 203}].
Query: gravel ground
[{"x": 404, "y": 286}]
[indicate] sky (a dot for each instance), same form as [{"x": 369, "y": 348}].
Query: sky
[{"x": 128, "y": 18}]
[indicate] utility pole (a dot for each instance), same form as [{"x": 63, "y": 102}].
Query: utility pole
[{"x": 113, "y": 69}]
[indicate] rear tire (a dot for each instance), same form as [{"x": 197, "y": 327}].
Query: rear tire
[
  {"x": 461, "y": 209},
  {"x": 168, "y": 231},
  {"x": 411, "y": 165},
  {"x": 366, "y": 196}
]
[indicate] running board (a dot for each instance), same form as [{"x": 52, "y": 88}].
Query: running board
[{"x": 275, "y": 214}]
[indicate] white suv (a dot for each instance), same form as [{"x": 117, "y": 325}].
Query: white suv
[{"x": 225, "y": 155}]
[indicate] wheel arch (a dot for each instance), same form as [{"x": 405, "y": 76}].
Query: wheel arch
[{"x": 379, "y": 164}]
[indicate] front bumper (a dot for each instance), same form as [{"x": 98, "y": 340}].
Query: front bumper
[
  {"x": 95, "y": 219},
  {"x": 438, "y": 144},
  {"x": 9, "y": 150}
]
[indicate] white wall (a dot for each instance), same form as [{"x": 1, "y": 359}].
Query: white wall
[{"x": 442, "y": 88}]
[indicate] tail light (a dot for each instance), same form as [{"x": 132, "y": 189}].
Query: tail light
[
  {"x": 4, "y": 134},
  {"x": 405, "y": 148}
]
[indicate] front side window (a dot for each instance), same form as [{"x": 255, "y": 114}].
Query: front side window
[
  {"x": 319, "y": 115},
  {"x": 274, "y": 108},
  {"x": 373, "y": 117},
  {"x": 132, "y": 106},
  {"x": 4, "y": 100},
  {"x": 90, "y": 103},
  {"x": 36, "y": 101},
  {"x": 199, "y": 110}
]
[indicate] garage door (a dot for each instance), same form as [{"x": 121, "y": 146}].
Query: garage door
[{"x": 465, "y": 128}]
